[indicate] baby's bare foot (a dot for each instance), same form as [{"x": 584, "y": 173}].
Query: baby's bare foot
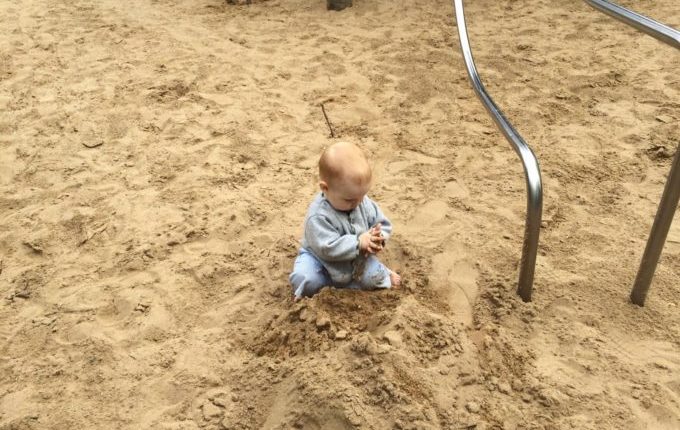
[{"x": 395, "y": 279}]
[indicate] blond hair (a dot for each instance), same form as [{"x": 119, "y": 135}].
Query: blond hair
[{"x": 346, "y": 161}]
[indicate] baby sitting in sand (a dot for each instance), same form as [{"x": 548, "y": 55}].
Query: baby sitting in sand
[{"x": 343, "y": 230}]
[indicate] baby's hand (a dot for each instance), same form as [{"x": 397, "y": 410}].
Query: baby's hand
[
  {"x": 370, "y": 242},
  {"x": 378, "y": 238}
]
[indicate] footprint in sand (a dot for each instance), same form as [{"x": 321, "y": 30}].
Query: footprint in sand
[
  {"x": 453, "y": 276},
  {"x": 426, "y": 222},
  {"x": 455, "y": 279}
]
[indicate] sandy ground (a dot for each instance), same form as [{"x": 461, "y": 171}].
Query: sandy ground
[{"x": 158, "y": 157}]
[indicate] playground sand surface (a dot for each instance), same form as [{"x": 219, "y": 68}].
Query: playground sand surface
[{"x": 158, "y": 158}]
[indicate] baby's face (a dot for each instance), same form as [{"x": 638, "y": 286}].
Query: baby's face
[{"x": 344, "y": 195}]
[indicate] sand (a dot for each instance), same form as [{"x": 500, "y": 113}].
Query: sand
[{"x": 157, "y": 160}]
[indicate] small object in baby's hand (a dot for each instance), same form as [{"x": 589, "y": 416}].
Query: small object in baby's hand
[{"x": 377, "y": 229}]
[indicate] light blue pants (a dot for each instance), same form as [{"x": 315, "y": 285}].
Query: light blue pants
[{"x": 309, "y": 276}]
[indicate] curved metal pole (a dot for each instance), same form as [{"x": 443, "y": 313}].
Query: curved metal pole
[
  {"x": 655, "y": 29},
  {"x": 671, "y": 193},
  {"x": 657, "y": 237},
  {"x": 532, "y": 172}
]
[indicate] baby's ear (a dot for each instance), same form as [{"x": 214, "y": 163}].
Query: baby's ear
[{"x": 323, "y": 186}]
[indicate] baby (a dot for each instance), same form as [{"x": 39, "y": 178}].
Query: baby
[{"x": 343, "y": 230}]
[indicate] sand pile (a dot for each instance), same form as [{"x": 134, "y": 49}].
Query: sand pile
[{"x": 158, "y": 158}]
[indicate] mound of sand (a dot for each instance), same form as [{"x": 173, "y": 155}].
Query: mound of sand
[{"x": 158, "y": 158}]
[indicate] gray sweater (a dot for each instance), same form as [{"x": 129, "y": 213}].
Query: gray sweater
[{"x": 333, "y": 236}]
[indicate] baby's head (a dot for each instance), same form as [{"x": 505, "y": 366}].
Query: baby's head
[{"x": 344, "y": 175}]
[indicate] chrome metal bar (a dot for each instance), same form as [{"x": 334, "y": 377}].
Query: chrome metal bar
[
  {"x": 671, "y": 193},
  {"x": 655, "y": 29},
  {"x": 657, "y": 237},
  {"x": 532, "y": 172}
]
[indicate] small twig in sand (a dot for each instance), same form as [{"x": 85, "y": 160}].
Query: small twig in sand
[
  {"x": 323, "y": 109},
  {"x": 71, "y": 311},
  {"x": 93, "y": 145},
  {"x": 34, "y": 246},
  {"x": 95, "y": 232}
]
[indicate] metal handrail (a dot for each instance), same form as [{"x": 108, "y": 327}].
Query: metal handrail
[
  {"x": 532, "y": 172},
  {"x": 671, "y": 193},
  {"x": 647, "y": 25}
]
